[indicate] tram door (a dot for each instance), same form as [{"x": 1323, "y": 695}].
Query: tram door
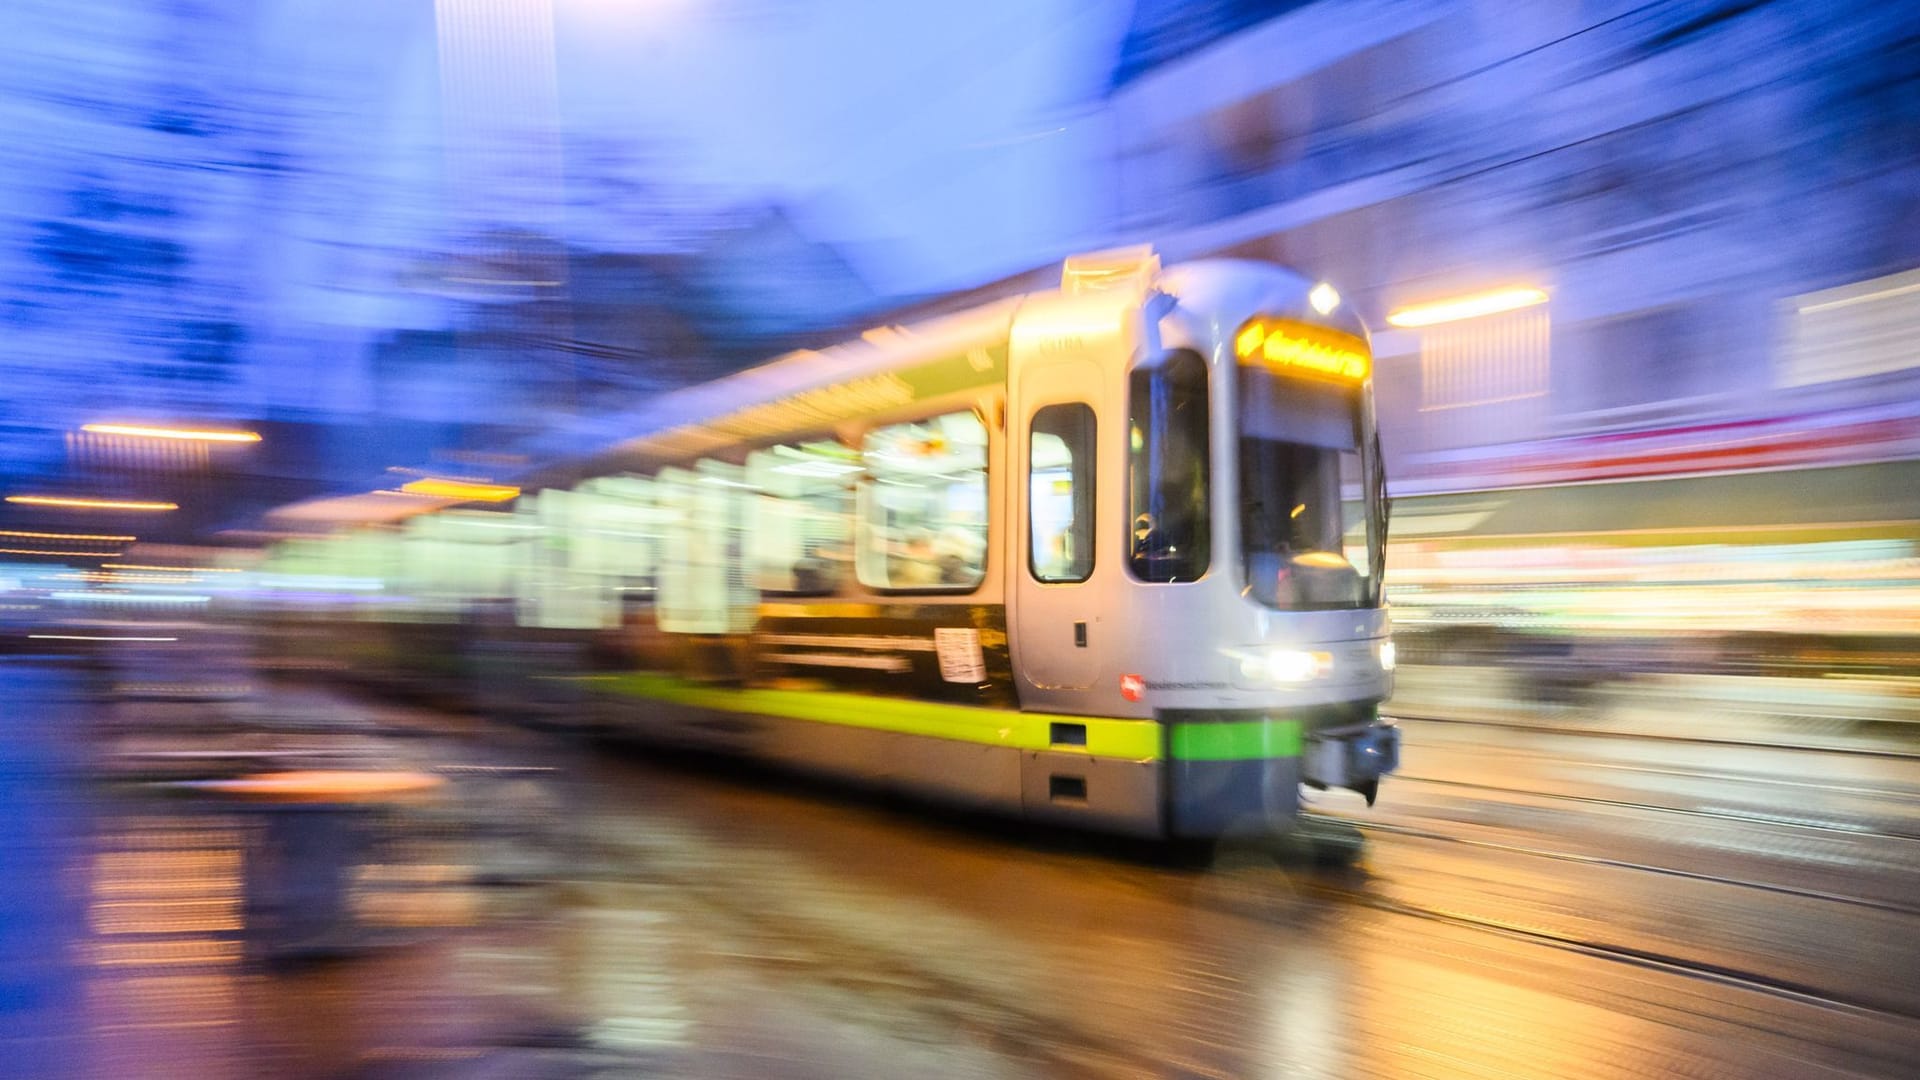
[{"x": 1054, "y": 435}]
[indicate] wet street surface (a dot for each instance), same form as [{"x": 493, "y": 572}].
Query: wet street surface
[{"x": 1534, "y": 899}]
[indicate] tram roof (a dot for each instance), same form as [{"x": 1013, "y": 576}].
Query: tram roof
[
  {"x": 682, "y": 423},
  {"x": 699, "y": 419}
]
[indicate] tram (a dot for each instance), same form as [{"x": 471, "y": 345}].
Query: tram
[{"x": 1109, "y": 555}]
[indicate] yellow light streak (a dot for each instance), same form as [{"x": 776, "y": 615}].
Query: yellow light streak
[
  {"x": 1323, "y": 560},
  {"x": 463, "y": 490},
  {"x": 66, "y": 536},
  {"x": 175, "y": 569},
  {"x": 58, "y": 554},
  {"x": 92, "y": 637},
  {"x": 1466, "y": 307},
  {"x": 90, "y": 504},
  {"x": 191, "y": 434},
  {"x": 114, "y": 577}
]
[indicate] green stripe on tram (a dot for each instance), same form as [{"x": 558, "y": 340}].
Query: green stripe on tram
[
  {"x": 1235, "y": 740},
  {"x": 1134, "y": 740}
]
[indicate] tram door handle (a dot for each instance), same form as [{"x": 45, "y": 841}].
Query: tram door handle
[{"x": 1080, "y": 635}]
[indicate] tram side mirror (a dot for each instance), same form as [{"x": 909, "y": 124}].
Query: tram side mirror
[
  {"x": 1377, "y": 568},
  {"x": 1380, "y": 479}
]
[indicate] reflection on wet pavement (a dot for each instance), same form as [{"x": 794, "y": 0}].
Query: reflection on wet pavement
[{"x": 1528, "y": 906}]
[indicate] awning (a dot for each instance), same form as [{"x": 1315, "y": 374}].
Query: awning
[{"x": 1789, "y": 506}]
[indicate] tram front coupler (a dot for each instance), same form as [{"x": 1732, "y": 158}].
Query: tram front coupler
[{"x": 1354, "y": 758}]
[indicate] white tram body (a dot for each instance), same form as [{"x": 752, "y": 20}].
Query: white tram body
[{"x": 1109, "y": 555}]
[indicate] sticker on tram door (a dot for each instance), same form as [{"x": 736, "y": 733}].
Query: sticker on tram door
[{"x": 961, "y": 660}]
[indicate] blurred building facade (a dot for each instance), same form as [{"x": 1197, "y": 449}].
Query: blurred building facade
[
  {"x": 380, "y": 223},
  {"x": 339, "y": 226},
  {"x": 183, "y": 237},
  {"x": 1719, "y": 198}
]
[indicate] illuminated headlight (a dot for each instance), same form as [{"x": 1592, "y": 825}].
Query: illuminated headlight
[
  {"x": 1386, "y": 656},
  {"x": 1267, "y": 667},
  {"x": 1294, "y": 666}
]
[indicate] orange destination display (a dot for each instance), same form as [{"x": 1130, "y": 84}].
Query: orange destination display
[{"x": 1298, "y": 348}]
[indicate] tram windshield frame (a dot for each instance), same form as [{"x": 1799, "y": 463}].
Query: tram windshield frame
[{"x": 1312, "y": 508}]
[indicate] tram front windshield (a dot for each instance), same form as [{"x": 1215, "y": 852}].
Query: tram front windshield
[{"x": 1308, "y": 536}]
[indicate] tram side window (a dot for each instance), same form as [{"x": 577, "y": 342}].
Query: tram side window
[
  {"x": 1060, "y": 493},
  {"x": 923, "y": 515},
  {"x": 705, "y": 583},
  {"x": 620, "y": 542},
  {"x": 802, "y": 537},
  {"x": 1169, "y": 538}
]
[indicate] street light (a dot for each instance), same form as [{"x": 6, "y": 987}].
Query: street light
[
  {"x": 464, "y": 490},
  {"x": 143, "y": 431},
  {"x": 1466, "y": 307},
  {"x": 66, "y": 536},
  {"x": 90, "y": 504}
]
